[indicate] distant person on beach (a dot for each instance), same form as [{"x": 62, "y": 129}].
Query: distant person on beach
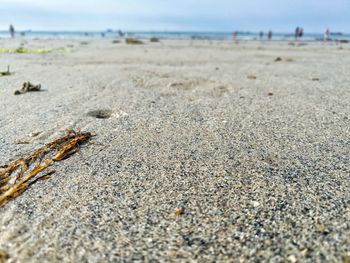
[
  {"x": 326, "y": 35},
  {"x": 301, "y": 32},
  {"x": 296, "y": 33},
  {"x": 234, "y": 35},
  {"x": 121, "y": 33},
  {"x": 12, "y": 31},
  {"x": 269, "y": 35},
  {"x": 261, "y": 35}
]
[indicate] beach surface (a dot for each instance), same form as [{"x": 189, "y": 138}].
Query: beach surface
[{"x": 250, "y": 150}]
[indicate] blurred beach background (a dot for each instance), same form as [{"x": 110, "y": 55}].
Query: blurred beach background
[
  {"x": 183, "y": 19},
  {"x": 109, "y": 33}
]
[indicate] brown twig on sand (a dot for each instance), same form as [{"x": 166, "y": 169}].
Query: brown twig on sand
[
  {"x": 18, "y": 175},
  {"x": 22, "y": 142},
  {"x": 251, "y": 77}
]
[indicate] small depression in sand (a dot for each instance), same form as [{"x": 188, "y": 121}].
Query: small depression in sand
[{"x": 100, "y": 114}]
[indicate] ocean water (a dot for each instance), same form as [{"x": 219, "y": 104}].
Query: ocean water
[{"x": 171, "y": 35}]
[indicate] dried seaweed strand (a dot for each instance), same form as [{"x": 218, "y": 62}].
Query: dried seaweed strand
[{"x": 16, "y": 176}]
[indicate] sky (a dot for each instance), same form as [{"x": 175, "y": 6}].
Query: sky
[{"x": 176, "y": 15}]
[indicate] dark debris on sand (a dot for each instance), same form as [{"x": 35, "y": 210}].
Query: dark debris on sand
[{"x": 28, "y": 87}]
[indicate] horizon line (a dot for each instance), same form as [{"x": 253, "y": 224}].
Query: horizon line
[{"x": 163, "y": 31}]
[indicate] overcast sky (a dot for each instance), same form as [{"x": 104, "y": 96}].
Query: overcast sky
[{"x": 185, "y": 15}]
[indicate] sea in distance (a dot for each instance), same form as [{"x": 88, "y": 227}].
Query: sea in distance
[{"x": 172, "y": 35}]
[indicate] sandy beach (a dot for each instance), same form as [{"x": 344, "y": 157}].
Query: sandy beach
[{"x": 255, "y": 151}]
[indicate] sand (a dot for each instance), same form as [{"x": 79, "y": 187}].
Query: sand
[{"x": 255, "y": 152}]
